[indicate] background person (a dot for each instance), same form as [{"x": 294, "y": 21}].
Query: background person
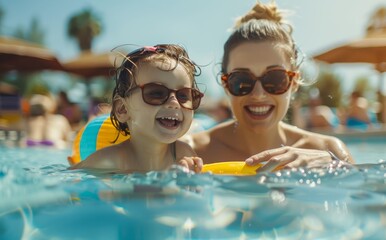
[
  {"x": 44, "y": 127},
  {"x": 356, "y": 115},
  {"x": 315, "y": 116},
  {"x": 70, "y": 110}
]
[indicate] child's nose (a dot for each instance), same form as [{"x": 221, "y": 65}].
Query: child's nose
[{"x": 172, "y": 101}]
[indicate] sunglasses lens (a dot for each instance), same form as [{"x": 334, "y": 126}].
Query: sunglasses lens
[
  {"x": 184, "y": 97},
  {"x": 275, "y": 82},
  {"x": 240, "y": 83},
  {"x": 196, "y": 98},
  {"x": 189, "y": 98},
  {"x": 155, "y": 94}
]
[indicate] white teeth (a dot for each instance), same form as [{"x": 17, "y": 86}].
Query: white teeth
[
  {"x": 169, "y": 118},
  {"x": 259, "y": 110}
]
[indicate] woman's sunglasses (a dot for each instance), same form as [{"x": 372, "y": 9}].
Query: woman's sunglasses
[
  {"x": 157, "y": 94},
  {"x": 274, "y": 81}
]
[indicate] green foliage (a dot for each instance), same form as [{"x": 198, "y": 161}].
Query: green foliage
[
  {"x": 363, "y": 86},
  {"x": 2, "y": 14},
  {"x": 26, "y": 83},
  {"x": 34, "y": 32},
  {"x": 84, "y": 27},
  {"x": 377, "y": 21},
  {"x": 330, "y": 89},
  {"x": 36, "y": 85}
]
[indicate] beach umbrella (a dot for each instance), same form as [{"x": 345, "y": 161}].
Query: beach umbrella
[
  {"x": 89, "y": 64},
  {"x": 371, "y": 49},
  {"x": 366, "y": 50},
  {"x": 24, "y": 56}
]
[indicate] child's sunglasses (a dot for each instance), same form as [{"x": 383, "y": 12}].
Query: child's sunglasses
[
  {"x": 274, "y": 81},
  {"x": 157, "y": 94}
]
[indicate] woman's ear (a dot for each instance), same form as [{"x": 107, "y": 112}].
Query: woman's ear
[
  {"x": 121, "y": 110},
  {"x": 295, "y": 83},
  {"x": 295, "y": 87},
  {"x": 226, "y": 89}
]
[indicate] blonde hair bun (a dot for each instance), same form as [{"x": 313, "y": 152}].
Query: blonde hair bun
[{"x": 262, "y": 11}]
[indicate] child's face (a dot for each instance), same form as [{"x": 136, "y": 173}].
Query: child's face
[{"x": 167, "y": 122}]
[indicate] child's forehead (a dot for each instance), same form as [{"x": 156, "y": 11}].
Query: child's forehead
[
  {"x": 162, "y": 62},
  {"x": 171, "y": 72}
]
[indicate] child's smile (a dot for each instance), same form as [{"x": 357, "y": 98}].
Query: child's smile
[{"x": 169, "y": 122}]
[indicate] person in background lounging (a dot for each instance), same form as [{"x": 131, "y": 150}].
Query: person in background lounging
[
  {"x": 70, "y": 110},
  {"x": 356, "y": 116},
  {"x": 44, "y": 127}
]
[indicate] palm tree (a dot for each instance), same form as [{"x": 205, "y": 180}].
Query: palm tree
[
  {"x": 34, "y": 33},
  {"x": 2, "y": 14},
  {"x": 84, "y": 27},
  {"x": 329, "y": 85},
  {"x": 377, "y": 22}
]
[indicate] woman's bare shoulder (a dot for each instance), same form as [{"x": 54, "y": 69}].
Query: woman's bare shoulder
[
  {"x": 305, "y": 139},
  {"x": 299, "y": 137},
  {"x": 209, "y": 137}
]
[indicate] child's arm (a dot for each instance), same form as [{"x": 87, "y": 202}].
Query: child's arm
[
  {"x": 187, "y": 157},
  {"x": 192, "y": 163}
]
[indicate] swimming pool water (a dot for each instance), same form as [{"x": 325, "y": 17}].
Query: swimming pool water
[
  {"x": 41, "y": 199},
  {"x": 370, "y": 149}
]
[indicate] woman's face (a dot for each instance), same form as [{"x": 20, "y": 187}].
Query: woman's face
[
  {"x": 258, "y": 110},
  {"x": 164, "y": 123}
]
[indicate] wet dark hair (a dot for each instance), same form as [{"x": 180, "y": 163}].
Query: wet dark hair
[
  {"x": 126, "y": 73},
  {"x": 263, "y": 23},
  {"x": 37, "y": 110}
]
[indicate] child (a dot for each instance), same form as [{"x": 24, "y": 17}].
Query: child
[{"x": 153, "y": 101}]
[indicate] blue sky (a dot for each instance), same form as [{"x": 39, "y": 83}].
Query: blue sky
[{"x": 199, "y": 25}]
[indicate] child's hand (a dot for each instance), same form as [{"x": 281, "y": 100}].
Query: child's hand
[{"x": 192, "y": 163}]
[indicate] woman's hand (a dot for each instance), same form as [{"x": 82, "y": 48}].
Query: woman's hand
[
  {"x": 292, "y": 157},
  {"x": 192, "y": 163}
]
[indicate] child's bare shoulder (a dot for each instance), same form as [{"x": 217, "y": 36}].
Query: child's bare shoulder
[
  {"x": 105, "y": 158},
  {"x": 184, "y": 149}
]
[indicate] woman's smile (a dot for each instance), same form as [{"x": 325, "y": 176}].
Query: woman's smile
[{"x": 259, "y": 111}]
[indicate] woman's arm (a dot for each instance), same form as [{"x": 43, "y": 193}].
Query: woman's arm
[{"x": 314, "y": 150}]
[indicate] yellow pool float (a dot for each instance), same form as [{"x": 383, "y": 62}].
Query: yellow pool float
[
  {"x": 231, "y": 168},
  {"x": 97, "y": 134}
]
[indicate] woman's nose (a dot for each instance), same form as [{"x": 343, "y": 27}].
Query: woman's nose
[{"x": 258, "y": 90}]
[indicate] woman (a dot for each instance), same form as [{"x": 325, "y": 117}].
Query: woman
[{"x": 259, "y": 73}]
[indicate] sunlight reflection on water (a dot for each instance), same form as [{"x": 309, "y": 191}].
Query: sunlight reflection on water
[{"x": 41, "y": 199}]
